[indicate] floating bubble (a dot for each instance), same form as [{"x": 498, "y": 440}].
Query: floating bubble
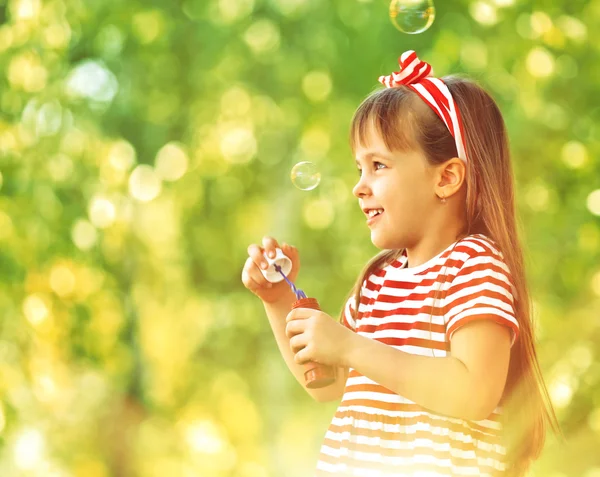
[
  {"x": 305, "y": 176},
  {"x": 412, "y": 16}
]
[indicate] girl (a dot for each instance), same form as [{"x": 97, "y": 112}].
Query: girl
[{"x": 436, "y": 363}]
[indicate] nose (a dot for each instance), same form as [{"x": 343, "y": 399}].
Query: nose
[{"x": 361, "y": 188}]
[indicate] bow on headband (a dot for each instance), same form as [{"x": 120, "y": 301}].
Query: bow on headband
[{"x": 415, "y": 74}]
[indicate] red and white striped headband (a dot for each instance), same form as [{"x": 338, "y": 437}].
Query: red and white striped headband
[{"x": 415, "y": 74}]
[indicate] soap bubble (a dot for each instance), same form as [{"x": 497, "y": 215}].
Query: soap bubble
[
  {"x": 412, "y": 16},
  {"x": 305, "y": 176}
]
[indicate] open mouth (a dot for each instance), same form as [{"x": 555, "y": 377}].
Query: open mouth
[{"x": 373, "y": 215}]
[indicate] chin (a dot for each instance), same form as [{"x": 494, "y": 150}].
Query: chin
[{"x": 385, "y": 243}]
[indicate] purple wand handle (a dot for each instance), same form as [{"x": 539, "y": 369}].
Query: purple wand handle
[{"x": 299, "y": 293}]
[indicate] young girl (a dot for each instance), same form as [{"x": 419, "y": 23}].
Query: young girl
[{"x": 435, "y": 354}]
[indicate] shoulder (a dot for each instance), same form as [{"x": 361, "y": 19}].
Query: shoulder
[
  {"x": 479, "y": 245},
  {"x": 478, "y": 253}
]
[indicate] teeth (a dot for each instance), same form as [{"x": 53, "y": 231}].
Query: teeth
[{"x": 374, "y": 212}]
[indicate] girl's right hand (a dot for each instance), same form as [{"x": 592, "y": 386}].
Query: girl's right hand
[{"x": 256, "y": 282}]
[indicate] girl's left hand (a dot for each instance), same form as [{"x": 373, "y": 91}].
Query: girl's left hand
[{"x": 316, "y": 336}]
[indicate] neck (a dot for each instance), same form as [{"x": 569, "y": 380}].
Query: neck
[{"x": 433, "y": 242}]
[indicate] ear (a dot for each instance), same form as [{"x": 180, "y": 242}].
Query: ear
[{"x": 449, "y": 177}]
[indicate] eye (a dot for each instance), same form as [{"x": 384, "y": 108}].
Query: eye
[{"x": 376, "y": 164}]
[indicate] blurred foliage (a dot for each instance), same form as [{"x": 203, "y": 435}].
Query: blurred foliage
[{"x": 145, "y": 145}]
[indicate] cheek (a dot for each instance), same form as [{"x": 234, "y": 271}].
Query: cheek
[
  {"x": 411, "y": 197},
  {"x": 403, "y": 191}
]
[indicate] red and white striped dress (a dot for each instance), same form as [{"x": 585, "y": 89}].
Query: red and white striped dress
[{"x": 376, "y": 432}]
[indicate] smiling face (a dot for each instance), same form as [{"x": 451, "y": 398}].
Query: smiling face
[{"x": 399, "y": 182}]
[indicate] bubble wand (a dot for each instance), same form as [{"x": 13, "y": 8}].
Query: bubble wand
[{"x": 299, "y": 293}]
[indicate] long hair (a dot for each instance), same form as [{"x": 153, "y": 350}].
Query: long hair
[{"x": 405, "y": 122}]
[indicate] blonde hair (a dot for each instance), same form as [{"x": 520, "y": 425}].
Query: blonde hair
[{"x": 405, "y": 122}]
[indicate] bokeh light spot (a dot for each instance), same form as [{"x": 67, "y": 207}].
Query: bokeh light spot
[
  {"x": 238, "y": 145},
  {"x": 595, "y": 283},
  {"x": 315, "y": 142},
  {"x": 57, "y": 35},
  {"x": 593, "y": 202},
  {"x": 262, "y": 37},
  {"x": 7, "y": 228},
  {"x": 109, "y": 41},
  {"x": 101, "y": 212},
  {"x": 49, "y": 118},
  {"x": 35, "y": 309},
  {"x": 84, "y": 234},
  {"x": 574, "y": 28},
  {"x": 474, "y": 54},
  {"x": 2, "y": 418},
  {"x": 318, "y": 214},
  {"x": 537, "y": 196},
  {"x": 291, "y": 8},
  {"x": 144, "y": 183},
  {"x": 6, "y": 37},
  {"x": 148, "y": 26},
  {"x": 484, "y": 13},
  {"x": 26, "y": 72},
  {"x": 205, "y": 437},
  {"x": 62, "y": 280},
  {"x": 317, "y": 86},
  {"x": 235, "y": 103},
  {"x": 92, "y": 80},
  {"x": 26, "y": 9},
  {"x": 574, "y": 154},
  {"x": 540, "y": 62},
  {"x": 231, "y": 11},
  {"x": 540, "y": 23},
  {"x": 29, "y": 449},
  {"x": 172, "y": 161},
  {"x": 121, "y": 155},
  {"x": 561, "y": 393}
]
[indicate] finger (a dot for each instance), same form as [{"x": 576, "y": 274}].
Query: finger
[
  {"x": 289, "y": 249},
  {"x": 249, "y": 282},
  {"x": 256, "y": 253},
  {"x": 247, "y": 265},
  {"x": 291, "y": 315},
  {"x": 293, "y": 328},
  {"x": 300, "y": 314},
  {"x": 254, "y": 274},
  {"x": 302, "y": 356},
  {"x": 297, "y": 343},
  {"x": 257, "y": 286},
  {"x": 290, "y": 252},
  {"x": 270, "y": 244}
]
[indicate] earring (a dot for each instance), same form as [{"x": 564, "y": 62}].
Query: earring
[{"x": 443, "y": 199}]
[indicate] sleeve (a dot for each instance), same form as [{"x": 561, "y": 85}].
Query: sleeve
[
  {"x": 482, "y": 289},
  {"x": 348, "y": 321}
]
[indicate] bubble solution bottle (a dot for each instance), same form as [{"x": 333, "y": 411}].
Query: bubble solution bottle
[{"x": 316, "y": 375}]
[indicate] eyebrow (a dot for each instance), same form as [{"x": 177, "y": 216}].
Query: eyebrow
[{"x": 374, "y": 154}]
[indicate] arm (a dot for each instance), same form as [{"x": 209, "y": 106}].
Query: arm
[
  {"x": 277, "y": 312},
  {"x": 468, "y": 384}
]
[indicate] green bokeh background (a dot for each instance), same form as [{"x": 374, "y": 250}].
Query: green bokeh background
[{"x": 145, "y": 145}]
